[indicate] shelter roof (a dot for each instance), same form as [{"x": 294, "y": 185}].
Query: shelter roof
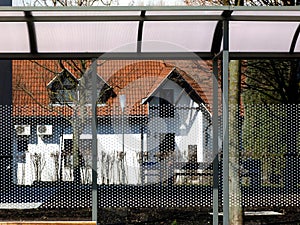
[{"x": 149, "y": 32}]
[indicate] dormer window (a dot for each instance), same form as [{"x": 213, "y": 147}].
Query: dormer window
[
  {"x": 104, "y": 90},
  {"x": 63, "y": 88},
  {"x": 166, "y": 101}
]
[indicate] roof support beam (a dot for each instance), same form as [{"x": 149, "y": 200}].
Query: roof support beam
[
  {"x": 31, "y": 32},
  {"x": 140, "y": 32},
  {"x": 218, "y": 34},
  {"x": 145, "y": 56},
  {"x": 295, "y": 39}
]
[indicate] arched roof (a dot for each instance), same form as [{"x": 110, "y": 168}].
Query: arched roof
[{"x": 150, "y": 32}]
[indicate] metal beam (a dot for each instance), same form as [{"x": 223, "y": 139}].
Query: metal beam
[
  {"x": 295, "y": 39},
  {"x": 103, "y": 18},
  {"x": 31, "y": 32},
  {"x": 225, "y": 96},
  {"x": 140, "y": 32},
  {"x": 154, "y": 8},
  {"x": 146, "y": 55},
  {"x": 131, "y": 8},
  {"x": 215, "y": 124},
  {"x": 94, "y": 144}
]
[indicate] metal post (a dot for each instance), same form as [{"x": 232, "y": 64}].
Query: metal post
[
  {"x": 123, "y": 104},
  {"x": 225, "y": 122},
  {"x": 7, "y": 161},
  {"x": 94, "y": 144},
  {"x": 215, "y": 144},
  {"x": 123, "y": 149}
]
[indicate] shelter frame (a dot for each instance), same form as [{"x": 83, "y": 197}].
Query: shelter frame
[{"x": 32, "y": 19}]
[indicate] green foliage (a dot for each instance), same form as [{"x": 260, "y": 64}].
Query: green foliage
[
  {"x": 270, "y": 88},
  {"x": 262, "y": 132},
  {"x": 174, "y": 222},
  {"x": 268, "y": 85},
  {"x": 271, "y": 82}
]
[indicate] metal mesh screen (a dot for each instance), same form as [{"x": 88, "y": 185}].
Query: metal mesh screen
[
  {"x": 267, "y": 158},
  {"x": 152, "y": 174},
  {"x": 153, "y": 152},
  {"x": 154, "y": 144}
]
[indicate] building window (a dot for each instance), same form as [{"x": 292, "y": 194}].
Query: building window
[
  {"x": 67, "y": 153},
  {"x": 85, "y": 149},
  {"x": 166, "y": 144},
  {"x": 22, "y": 147},
  {"x": 84, "y": 152},
  {"x": 63, "y": 88},
  {"x": 192, "y": 153},
  {"x": 64, "y": 96},
  {"x": 166, "y": 101}
]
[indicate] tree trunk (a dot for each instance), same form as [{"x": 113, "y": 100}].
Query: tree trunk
[
  {"x": 235, "y": 201},
  {"x": 291, "y": 125},
  {"x": 235, "y": 197},
  {"x": 75, "y": 153}
]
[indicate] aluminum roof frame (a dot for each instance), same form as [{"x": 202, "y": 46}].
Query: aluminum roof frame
[{"x": 37, "y": 18}]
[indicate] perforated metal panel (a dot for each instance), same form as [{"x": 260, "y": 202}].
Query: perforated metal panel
[
  {"x": 151, "y": 153},
  {"x": 156, "y": 151},
  {"x": 270, "y": 157}
]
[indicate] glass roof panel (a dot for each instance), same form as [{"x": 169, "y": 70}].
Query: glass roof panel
[
  {"x": 181, "y": 13},
  {"x": 84, "y": 36},
  {"x": 11, "y": 13},
  {"x": 254, "y": 30},
  {"x": 266, "y": 13},
  {"x": 187, "y": 35},
  {"x": 261, "y": 36},
  {"x": 14, "y": 37},
  {"x": 86, "y": 13}
]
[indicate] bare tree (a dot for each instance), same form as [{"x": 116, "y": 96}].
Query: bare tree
[
  {"x": 38, "y": 160},
  {"x": 56, "y": 157},
  {"x": 55, "y": 3},
  {"x": 239, "y": 2}
]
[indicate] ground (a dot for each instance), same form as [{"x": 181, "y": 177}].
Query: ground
[{"x": 146, "y": 216}]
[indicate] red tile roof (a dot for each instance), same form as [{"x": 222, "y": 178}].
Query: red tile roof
[{"x": 136, "y": 79}]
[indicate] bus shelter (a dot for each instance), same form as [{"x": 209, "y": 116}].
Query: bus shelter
[{"x": 217, "y": 33}]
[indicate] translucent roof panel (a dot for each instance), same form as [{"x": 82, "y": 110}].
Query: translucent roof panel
[
  {"x": 88, "y": 32},
  {"x": 14, "y": 37},
  {"x": 182, "y": 13},
  {"x": 261, "y": 36},
  {"x": 279, "y": 13},
  {"x": 11, "y": 13},
  {"x": 190, "y": 36},
  {"x": 85, "y": 13},
  {"x": 84, "y": 36}
]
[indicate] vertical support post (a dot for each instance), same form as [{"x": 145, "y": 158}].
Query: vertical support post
[
  {"x": 7, "y": 163},
  {"x": 123, "y": 105},
  {"x": 123, "y": 149},
  {"x": 142, "y": 154},
  {"x": 215, "y": 122},
  {"x": 94, "y": 143},
  {"x": 225, "y": 96}
]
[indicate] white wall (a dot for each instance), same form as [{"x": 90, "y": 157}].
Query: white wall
[
  {"x": 42, "y": 155},
  {"x": 110, "y": 165}
]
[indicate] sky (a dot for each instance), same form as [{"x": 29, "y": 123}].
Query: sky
[{"x": 121, "y": 2}]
